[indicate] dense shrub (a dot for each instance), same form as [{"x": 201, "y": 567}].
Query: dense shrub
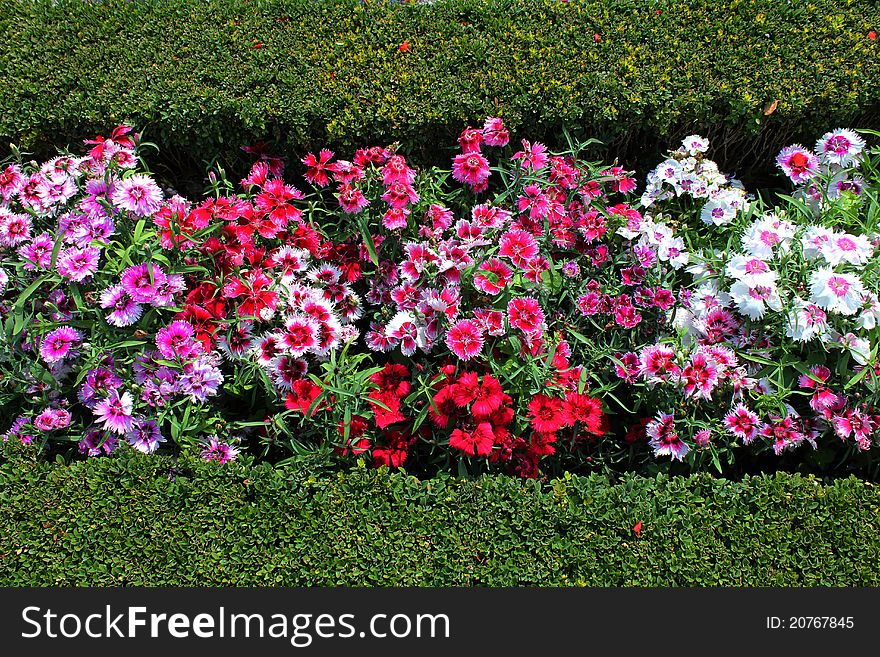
[
  {"x": 144, "y": 521},
  {"x": 206, "y": 77}
]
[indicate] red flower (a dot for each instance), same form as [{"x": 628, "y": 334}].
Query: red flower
[
  {"x": 487, "y": 398},
  {"x": 303, "y": 393},
  {"x": 637, "y": 528},
  {"x": 444, "y": 403},
  {"x": 586, "y": 410},
  {"x": 395, "y": 453},
  {"x": 393, "y": 379},
  {"x": 872, "y": 35},
  {"x": 386, "y": 417},
  {"x": 597, "y": 38},
  {"x": 547, "y": 414},
  {"x": 356, "y": 443},
  {"x": 404, "y": 47},
  {"x": 476, "y": 443}
]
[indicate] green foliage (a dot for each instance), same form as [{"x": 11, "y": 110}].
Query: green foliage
[
  {"x": 148, "y": 521},
  {"x": 207, "y": 77}
]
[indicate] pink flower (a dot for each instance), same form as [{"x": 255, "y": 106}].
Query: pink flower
[
  {"x": 395, "y": 218},
  {"x": 114, "y": 412},
  {"x": 139, "y": 194},
  {"x": 317, "y": 167},
  {"x": 472, "y": 169},
  {"x": 465, "y": 339},
  {"x": 301, "y": 334},
  {"x": 399, "y": 195},
  {"x": 525, "y": 314},
  {"x": 58, "y": 343},
  {"x": 742, "y": 423},
  {"x": 78, "y": 264},
  {"x": 352, "y": 199},
  {"x": 533, "y": 156},
  {"x": 519, "y": 246},
  {"x": 494, "y": 132},
  {"x": 494, "y": 276},
  {"x": 470, "y": 140},
  {"x": 176, "y": 340},
  {"x": 657, "y": 363},
  {"x": 664, "y": 439},
  {"x": 397, "y": 171},
  {"x": 798, "y": 163},
  {"x": 142, "y": 282}
]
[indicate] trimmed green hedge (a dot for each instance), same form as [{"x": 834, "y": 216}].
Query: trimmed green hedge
[
  {"x": 333, "y": 71},
  {"x": 133, "y": 520}
]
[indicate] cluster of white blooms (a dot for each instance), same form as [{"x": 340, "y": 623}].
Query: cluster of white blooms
[{"x": 688, "y": 172}]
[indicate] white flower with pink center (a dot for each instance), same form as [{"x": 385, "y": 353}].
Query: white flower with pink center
[
  {"x": 806, "y": 321},
  {"x": 751, "y": 271},
  {"x": 840, "y": 147},
  {"x": 836, "y": 292},
  {"x": 843, "y": 247},
  {"x": 815, "y": 241},
  {"x": 753, "y": 301},
  {"x": 768, "y": 236}
]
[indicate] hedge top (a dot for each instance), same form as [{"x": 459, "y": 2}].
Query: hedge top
[{"x": 203, "y": 76}]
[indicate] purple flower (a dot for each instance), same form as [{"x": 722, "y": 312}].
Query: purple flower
[
  {"x": 145, "y": 436},
  {"x": 176, "y": 340},
  {"x": 78, "y": 264},
  {"x": 58, "y": 343},
  {"x": 125, "y": 310},
  {"x": 218, "y": 450},
  {"x": 141, "y": 282},
  {"x": 97, "y": 441},
  {"x": 139, "y": 194},
  {"x": 200, "y": 379},
  {"x": 98, "y": 382},
  {"x": 115, "y": 412}
]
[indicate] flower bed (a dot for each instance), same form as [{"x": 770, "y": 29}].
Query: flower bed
[{"x": 523, "y": 311}]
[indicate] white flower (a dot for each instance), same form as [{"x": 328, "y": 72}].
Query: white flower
[
  {"x": 859, "y": 348},
  {"x": 806, "y": 321},
  {"x": 869, "y": 317},
  {"x": 673, "y": 250},
  {"x": 751, "y": 271},
  {"x": 767, "y": 234},
  {"x": 834, "y": 292},
  {"x": 694, "y": 144},
  {"x": 815, "y": 241},
  {"x": 840, "y": 146},
  {"x": 718, "y": 212},
  {"x": 753, "y": 301},
  {"x": 843, "y": 247}
]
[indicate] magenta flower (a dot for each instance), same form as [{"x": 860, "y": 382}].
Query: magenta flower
[
  {"x": 465, "y": 339},
  {"x": 471, "y": 169},
  {"x": 114, "y": 412},
  {"x": 142, "y": 282},
  {"x": 139, "y": 194},
  {"x": 57, "y": 344},
  {"x": 176, "y": 340},
  {"x": 798, "y": 163},
  {"x": 78, "y": 264}
]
